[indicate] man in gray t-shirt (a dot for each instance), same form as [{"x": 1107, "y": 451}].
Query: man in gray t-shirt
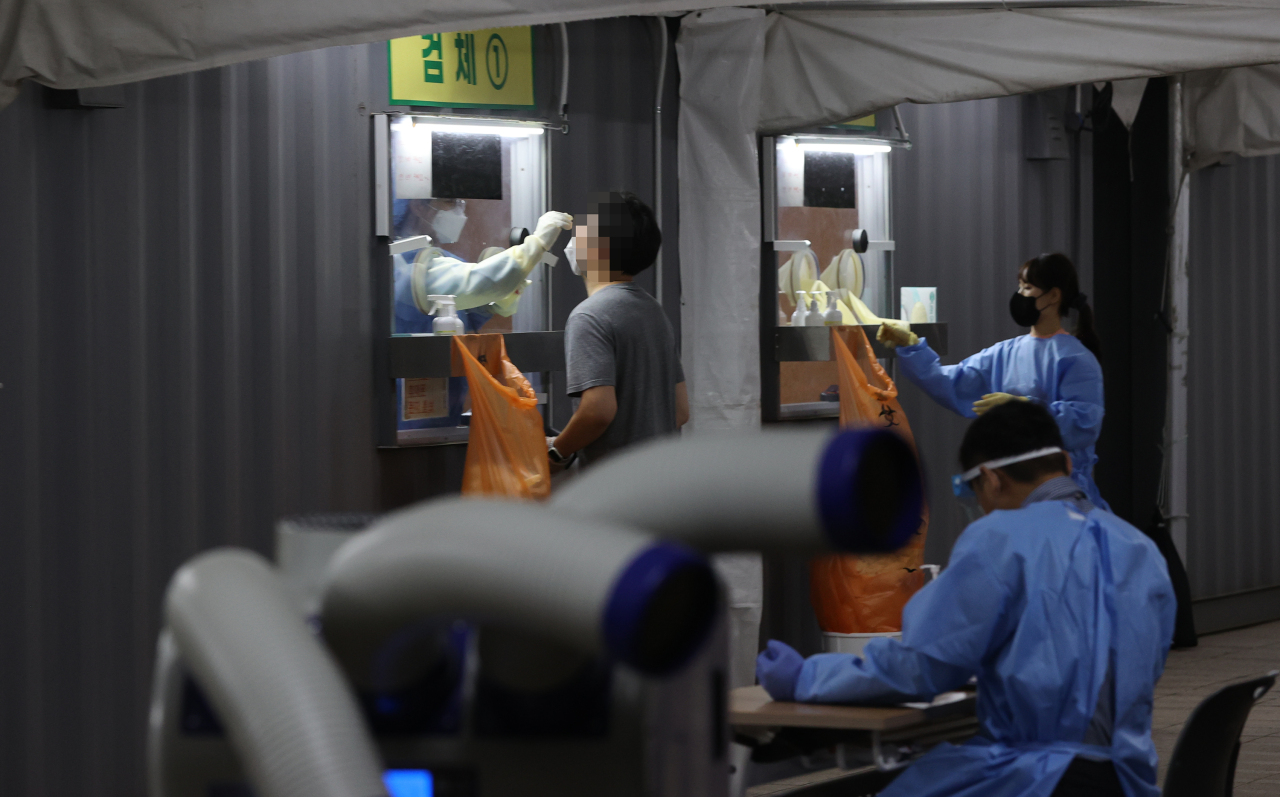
[{"x": 620, "y": 350}]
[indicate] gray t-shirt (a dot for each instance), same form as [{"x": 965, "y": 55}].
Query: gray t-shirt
[{"x": 621, "y": 337}]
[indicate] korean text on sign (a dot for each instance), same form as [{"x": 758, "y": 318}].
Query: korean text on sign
[{"x": 491, "y": 68}]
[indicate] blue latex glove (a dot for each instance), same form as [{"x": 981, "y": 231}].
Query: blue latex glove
[{"x": 778, "y": 669}]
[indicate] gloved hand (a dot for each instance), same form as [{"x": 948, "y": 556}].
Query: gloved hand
[
  {"x": 549, "y": 227},
  {"x": 894, "y": 333},
  {"x": 778, "y": 669},
  {"x": 995, "y": 400},
  {"x": 529, "y": 253}
]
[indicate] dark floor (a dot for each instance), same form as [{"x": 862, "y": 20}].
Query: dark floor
[
  {"x": 1189, "y": 677},
  {"x": 1192, "y": 675}
]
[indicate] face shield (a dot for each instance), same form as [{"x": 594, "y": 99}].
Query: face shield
[{"x": 962, "y": 484}]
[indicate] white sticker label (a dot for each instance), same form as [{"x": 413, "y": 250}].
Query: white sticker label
[
  {"x": 411, "y": 161},
  {"x": 425, "y": 398}
]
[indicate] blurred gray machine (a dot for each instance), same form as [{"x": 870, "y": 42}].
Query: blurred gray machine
[{"x": 484, "y": 648}]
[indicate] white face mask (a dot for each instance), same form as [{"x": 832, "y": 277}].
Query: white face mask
[
  {"x": 571, "y": 254},
  {"x": 448, "y": 224}
]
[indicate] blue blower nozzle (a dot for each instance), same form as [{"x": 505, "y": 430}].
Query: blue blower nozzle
[
  {"x": 870, "y": 491},
  {"x": 661, "y": 609}
]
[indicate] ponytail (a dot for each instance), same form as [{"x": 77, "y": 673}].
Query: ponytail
[
  {"x": 1085, "y": 332},
  {"x": 1049, "y": 271}
]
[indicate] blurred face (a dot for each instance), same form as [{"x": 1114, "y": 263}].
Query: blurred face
[{"x": 593, "y": 252}]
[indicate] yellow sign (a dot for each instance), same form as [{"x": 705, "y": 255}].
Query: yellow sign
[
  {"x": 864, "y": 122},
  {"x": 491, "y": 68}
]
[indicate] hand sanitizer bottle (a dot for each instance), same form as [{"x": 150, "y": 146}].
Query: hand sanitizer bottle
[
  {"x": 446, "y": 321},
  {"x": 813, "y": 318},
  {"x": 833, "y": 317},
  {"x": 802, "y": 309}
]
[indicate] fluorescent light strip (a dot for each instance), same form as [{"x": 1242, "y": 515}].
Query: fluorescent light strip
[
  {"x": 855, "y": 149},
  {"x": 480, "y": 130}
]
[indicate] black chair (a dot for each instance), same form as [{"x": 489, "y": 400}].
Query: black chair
[{"x": 1203, "y": 763}]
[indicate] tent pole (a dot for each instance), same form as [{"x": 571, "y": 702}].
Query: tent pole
[
  {"x": 657, "y": 145},
  {"x": 1178, "y": 311}
]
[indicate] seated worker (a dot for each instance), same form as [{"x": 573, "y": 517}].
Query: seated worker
[
  {"x": 1063, "y": 611},
  {"x": 620, "y": 350}
]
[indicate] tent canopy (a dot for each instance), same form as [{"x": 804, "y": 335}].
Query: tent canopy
[
  {"x": 828, "y": 66},
  {"x": 71, "y": 44},
  {"x": 836, "y": 62}
]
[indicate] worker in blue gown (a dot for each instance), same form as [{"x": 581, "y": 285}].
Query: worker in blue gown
[
  {"x": 1048, "y": 366},
  {"x": 1061, "y": 610}
]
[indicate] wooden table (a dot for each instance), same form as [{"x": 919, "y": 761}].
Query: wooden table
[
  {"x": 751, "y": 706},
  {"x": 879, "y": 732}
]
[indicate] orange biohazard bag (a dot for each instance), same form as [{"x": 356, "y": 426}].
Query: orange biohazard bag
[
  {"x": 861, "y": 594},
  {"x": 507, "y": 454}
]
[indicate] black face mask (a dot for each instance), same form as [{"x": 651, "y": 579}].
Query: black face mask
[{"x": 1023, "y": 309}]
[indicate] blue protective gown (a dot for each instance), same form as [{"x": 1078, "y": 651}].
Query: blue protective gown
[
  {"x": 1040, "y": 603},
  {"x": 1057, "y": 372}
]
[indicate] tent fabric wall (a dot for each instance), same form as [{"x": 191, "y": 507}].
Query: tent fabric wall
[
  {"x": 720, "y": 65},
  {"x": 720, "y": 238},
  {"x": 1231, "y": 112}
]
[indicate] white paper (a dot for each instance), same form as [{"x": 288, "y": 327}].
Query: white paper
[
  {"x": 790, "y": 175},
  {"x": 411, "y": 161}
]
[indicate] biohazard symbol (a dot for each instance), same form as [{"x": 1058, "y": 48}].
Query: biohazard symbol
[{"x": 887, "y": 413}]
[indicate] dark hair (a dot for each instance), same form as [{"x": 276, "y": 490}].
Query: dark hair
[
  {"x": 1056, "y": 270},
  {"x": 1009, "y": 429},
  {"x": 632, "y": 230}
]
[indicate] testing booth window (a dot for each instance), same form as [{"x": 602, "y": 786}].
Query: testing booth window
[
  {"x": 827, "y": 188},
  {"x": 461, "y": 190}
]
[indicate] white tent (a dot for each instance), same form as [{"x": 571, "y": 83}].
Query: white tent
[{"x": 745, "y": 71}]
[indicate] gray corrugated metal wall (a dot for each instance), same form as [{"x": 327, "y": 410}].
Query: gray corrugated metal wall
[
  {"x": 186, "y": 342},
  {"x": 1232, "y": 541},
  {"x": 969, "y": 209},
  {"x": 185, "y": 317}
]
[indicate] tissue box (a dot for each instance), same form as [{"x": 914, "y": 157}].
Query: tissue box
[{"x": 919, "y": 305}]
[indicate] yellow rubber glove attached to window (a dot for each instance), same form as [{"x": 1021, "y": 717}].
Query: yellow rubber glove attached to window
[
  {"x": 994, "y": 400},
  {"x": 894, "y": 333},
  {"x": 491, "y": 280}
]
